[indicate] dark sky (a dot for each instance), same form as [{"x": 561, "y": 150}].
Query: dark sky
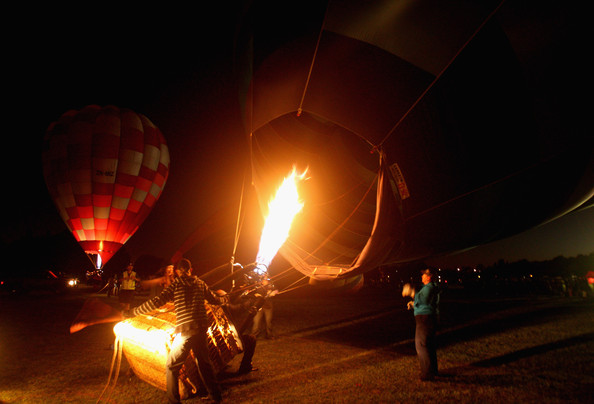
[
  {"x": 177, "y": 67},
  {"x": 174, "y": 65}
]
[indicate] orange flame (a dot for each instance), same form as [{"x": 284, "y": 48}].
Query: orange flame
[{"x": 281, "y": 212}]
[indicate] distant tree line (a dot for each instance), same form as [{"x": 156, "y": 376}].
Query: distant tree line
[{"x": 559, "y": 276}]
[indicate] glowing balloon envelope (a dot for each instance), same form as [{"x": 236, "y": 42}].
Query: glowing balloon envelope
[{"x": 105, "y": 168}]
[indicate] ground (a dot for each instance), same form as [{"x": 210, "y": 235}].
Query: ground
[{"x": 328, "y": 348}]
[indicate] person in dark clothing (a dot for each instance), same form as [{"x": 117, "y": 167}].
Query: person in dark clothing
[
  {"x": 236, "y": 311},
  {"x": 426, "y": 311},
  {"x": 242, "y": 310},
  {"x": 263, "y": 318},
  {"x": 188, "y": 293}
]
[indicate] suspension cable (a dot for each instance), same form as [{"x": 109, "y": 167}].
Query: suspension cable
[
  {"x": 240, "y": 219},
  {"x": 311, "y": 65},
  {"x": 343, "y": 222}
]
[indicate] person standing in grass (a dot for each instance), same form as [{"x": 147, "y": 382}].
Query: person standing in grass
[
  {"x": 127, "y": 287},
  {"x": 263, "y": 318},
  {"x": 426, "y": 312}
]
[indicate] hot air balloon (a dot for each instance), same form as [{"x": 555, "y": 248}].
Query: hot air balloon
[
  {"x": 105, "y": 168},
  {"x": 428, "y": 127}
]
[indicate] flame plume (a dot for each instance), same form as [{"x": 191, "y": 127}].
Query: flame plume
[{"x": 282, "y": 209}]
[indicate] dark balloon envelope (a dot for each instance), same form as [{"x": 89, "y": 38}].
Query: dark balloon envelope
[
  {"x": 105, "y": 168},
  {"x": 427, "y": 128}
]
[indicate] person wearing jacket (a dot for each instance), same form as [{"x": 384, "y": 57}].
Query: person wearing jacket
[{"x": 426, "y": 312}]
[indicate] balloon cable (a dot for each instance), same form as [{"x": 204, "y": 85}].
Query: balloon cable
[
  {"x": 341, "y": 225},
  {"x": 300, "y": 108},
  {"x": 240, "y": 218}
]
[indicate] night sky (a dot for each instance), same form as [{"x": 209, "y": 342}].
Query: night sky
[{"x": 177, "y": 66}]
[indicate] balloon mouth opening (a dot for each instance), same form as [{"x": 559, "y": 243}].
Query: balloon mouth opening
[
  {"x": 342, "y": 172},
  {"x": 99, "y": 251}
]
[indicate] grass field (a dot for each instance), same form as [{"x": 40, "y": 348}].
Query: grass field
[{"x": 329, "y": 349}]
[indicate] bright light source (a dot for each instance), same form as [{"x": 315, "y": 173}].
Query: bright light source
[
  {"x": 281, "y": 212},
  {"x": 154, "y": 340}
]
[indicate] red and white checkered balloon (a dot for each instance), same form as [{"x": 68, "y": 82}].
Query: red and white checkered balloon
[{"x": 105, "y": 167}]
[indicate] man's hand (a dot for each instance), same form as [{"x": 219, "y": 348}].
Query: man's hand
[
  {"x": 408, "y": 290},
  {"x": 410, "y": 305}
]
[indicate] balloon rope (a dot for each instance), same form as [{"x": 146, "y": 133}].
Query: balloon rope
[
  {"x": 343, "y": 195},
  {"x": 341, "y": 225},
  {"x": 289, "y": 288},
  {"x": 240, "y": 218},
  {"x": 117, "y": 353},
  {"x": 285, "y": 290},
  {"x": 120, "y": 345},
  {"x": 480, "y": 27},
  {"x": 300, "y": 109},
  {"x": 103, "y": 288},
  {"x": 472, "y": 191},
  {"x": 216, "y": 269},
  {"x": 238, "y": 225}
]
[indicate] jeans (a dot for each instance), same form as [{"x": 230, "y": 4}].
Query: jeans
[
  {"x": 264, "y": 314},
  {"x": 426, "y": 345},
  {"x": 177, "y": 356}
]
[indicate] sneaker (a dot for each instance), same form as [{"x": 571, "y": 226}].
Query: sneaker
[{"x": 246, "y": 369}]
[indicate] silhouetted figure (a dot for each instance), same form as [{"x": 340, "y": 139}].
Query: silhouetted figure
[
  {"x": 263, "y": 318},
  {"x": 426, "y": 311}
]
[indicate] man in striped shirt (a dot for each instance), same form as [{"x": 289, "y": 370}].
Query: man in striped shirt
[{"x": 188, "y": 294}]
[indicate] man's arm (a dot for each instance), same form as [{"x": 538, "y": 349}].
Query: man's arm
[
  {"x": 165, "y": 296},
  {"x": 219, "y": 298}
]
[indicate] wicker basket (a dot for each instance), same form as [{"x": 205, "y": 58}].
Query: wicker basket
[{"x": 147, "y": 340}]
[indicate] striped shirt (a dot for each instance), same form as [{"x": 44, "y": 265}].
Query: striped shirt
[{"x": 188, "y": 294}]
